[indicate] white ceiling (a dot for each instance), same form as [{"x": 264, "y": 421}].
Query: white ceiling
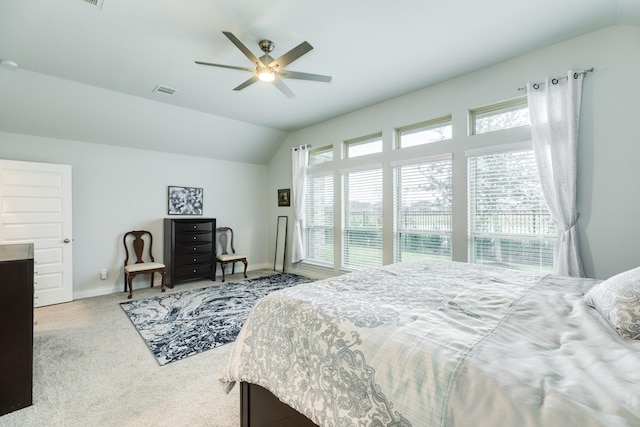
[{"x": 87, "y": 73}]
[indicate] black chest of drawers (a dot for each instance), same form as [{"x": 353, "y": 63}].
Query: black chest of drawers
[
  {"x": 16, "y": 334},
  {"x": 189, "y": 249}
]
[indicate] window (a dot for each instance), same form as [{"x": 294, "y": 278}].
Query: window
[
  {"x": 509, "y": 222},
  {"x": 495, "y": 117},
  {"x": 321, "y": 155},
  {"x": 318, "y": 229},
  {"x": 425, "y": 133},
  {"x": 362, "y": 232},
  {"x": 363, "y": 146},
  {"x": 422, "y": 207}
]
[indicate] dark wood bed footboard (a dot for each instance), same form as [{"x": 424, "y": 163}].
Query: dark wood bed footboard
[{"x": 260, "y": 408}]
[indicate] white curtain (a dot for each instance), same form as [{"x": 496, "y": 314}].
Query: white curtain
[
  {"x": 299, "y": 157},
  {"x": 554, "y": 108}
]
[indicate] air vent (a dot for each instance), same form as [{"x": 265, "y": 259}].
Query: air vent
[
  {"x": 164, "y": 89},
  {"x": 97, "y": 3}
]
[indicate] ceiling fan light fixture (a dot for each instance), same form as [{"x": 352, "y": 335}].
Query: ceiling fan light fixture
[
  {"x": 266, "y": 75},
  {"x": 267, "y": 69}
]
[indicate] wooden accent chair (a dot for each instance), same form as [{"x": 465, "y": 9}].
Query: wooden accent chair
[
  {"x": 135, "y": 240},
  {"x": 224, "y": 258}
]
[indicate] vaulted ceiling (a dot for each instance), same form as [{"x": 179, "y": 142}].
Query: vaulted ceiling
[{"x": 87, "y": 72}]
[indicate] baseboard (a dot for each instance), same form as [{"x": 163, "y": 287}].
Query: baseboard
[
  {"x": 96, "y": 292},
  {"x": 311, "y": 271},
  {"x": 119, "y": 287}
]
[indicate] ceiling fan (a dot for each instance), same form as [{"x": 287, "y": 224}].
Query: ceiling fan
[{"x": 268, "y": 69}]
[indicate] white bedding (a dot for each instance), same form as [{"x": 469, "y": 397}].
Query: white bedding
[{"x": 440, "y": 344}]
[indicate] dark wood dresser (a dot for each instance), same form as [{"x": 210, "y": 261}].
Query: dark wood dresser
[
  {"x": 189, "y": 249},
  {"x": 16, "y": 334}
]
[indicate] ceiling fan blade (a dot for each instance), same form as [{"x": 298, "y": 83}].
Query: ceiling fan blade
[
  {"x": 233, "y": 67},
  {"x": 304, "y": 76},
  {"x": 291, "y": 56},
  {"x": 254, "y": 59},
  {"x": 284, "y": 88},
  {"x": 251, "y": 81}
]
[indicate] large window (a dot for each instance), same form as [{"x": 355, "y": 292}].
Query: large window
[
  {"x": 509, "y": 222},
  {"x": 318, "y": 229},
  {"x": 362, "y": 221},
  {"x": 423, "y": 210},
  {"x": 396, "y": 203}
]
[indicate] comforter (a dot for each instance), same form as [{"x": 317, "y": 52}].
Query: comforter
[{"x": 440, "y": 344}]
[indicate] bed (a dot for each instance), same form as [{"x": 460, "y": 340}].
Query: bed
[{"x": 440, "y": 344}]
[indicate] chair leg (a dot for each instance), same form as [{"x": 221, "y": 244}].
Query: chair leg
[
  {"x": 152, "y": 274},
  {"x": 222, "y": 267},
  {"x": 244, "y": 261},
  {"x": 163, "y": 274},
  {"x": 130, "y": 283}
]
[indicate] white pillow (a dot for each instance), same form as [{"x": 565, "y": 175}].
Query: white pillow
[{"x": 618, "y": 300}]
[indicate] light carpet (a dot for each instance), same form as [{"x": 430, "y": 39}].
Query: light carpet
[
  {"x": 91, "y": 369},
  {"x": 182, "y": 324}
]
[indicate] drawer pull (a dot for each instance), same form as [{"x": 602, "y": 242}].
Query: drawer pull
[
  {"x": 195, "y": 237},
  {"x": 195, "y": 249},
  {"x": 195, "y": 226},
  {"x": 195, "y": 260},
  {"x": 195, "y": 271}
]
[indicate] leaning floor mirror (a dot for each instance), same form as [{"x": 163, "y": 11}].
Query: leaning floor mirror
[{"x": 281, "y": 243}]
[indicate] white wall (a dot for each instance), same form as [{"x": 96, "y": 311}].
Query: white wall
[
  {"x": 118, "y": 189},
  {"x": 608, "y": 195}
]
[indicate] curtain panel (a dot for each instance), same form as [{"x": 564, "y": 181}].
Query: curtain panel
[
  {"x": 299, "y": 162},
  {"x": 554, "y": 109}
]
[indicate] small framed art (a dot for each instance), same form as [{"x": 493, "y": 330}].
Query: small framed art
[
  {"x": 185, "y": 200},
  {"x": 284, "y": 197}
]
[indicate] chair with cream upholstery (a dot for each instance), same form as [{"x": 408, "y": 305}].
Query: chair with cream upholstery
[
  {"x": 223, "y": 257},
  {"x": 144, "y": 262}
]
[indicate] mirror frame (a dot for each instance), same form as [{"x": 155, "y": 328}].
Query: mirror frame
[{"x": 283, "y": 221}]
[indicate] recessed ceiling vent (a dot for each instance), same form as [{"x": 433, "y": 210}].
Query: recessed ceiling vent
[
  {"x": 164, "y": 89},
  {"x": 97, "y": 3}
]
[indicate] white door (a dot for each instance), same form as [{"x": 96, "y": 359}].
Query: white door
[{"x": 35, "y": 207}]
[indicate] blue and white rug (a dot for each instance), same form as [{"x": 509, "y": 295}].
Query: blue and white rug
[{"x": 180, "y": 325}]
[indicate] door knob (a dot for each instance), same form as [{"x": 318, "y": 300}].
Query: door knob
[{"x": 67, "y": 240}]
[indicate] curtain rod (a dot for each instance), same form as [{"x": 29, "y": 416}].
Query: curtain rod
[
  {"x": 555, "y": 79},
  {"x": 296, "y": 148}
]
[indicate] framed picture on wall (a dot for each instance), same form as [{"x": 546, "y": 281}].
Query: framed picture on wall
[
  {"x": 185, "y": 200},
  {"x": 284, "y": 197}
]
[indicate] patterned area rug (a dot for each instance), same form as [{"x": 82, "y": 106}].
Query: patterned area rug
[{"x": 180, "y": 325}]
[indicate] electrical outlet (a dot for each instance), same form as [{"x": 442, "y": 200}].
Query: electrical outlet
[{"x": 103, "y": 274}]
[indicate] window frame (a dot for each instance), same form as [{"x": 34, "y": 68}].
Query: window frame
[
  {"x": 397, "y": 208},
  {"x": 363, "y": 140},
  {"x": 317, "y": 152},
  {"x": 550, "y": 238},
  {"x": 504, "y": 107},
  {"x": 307, "y": 229},
  {"x": 423, "y": 126},
  {"x": 346, "y": 225}
]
